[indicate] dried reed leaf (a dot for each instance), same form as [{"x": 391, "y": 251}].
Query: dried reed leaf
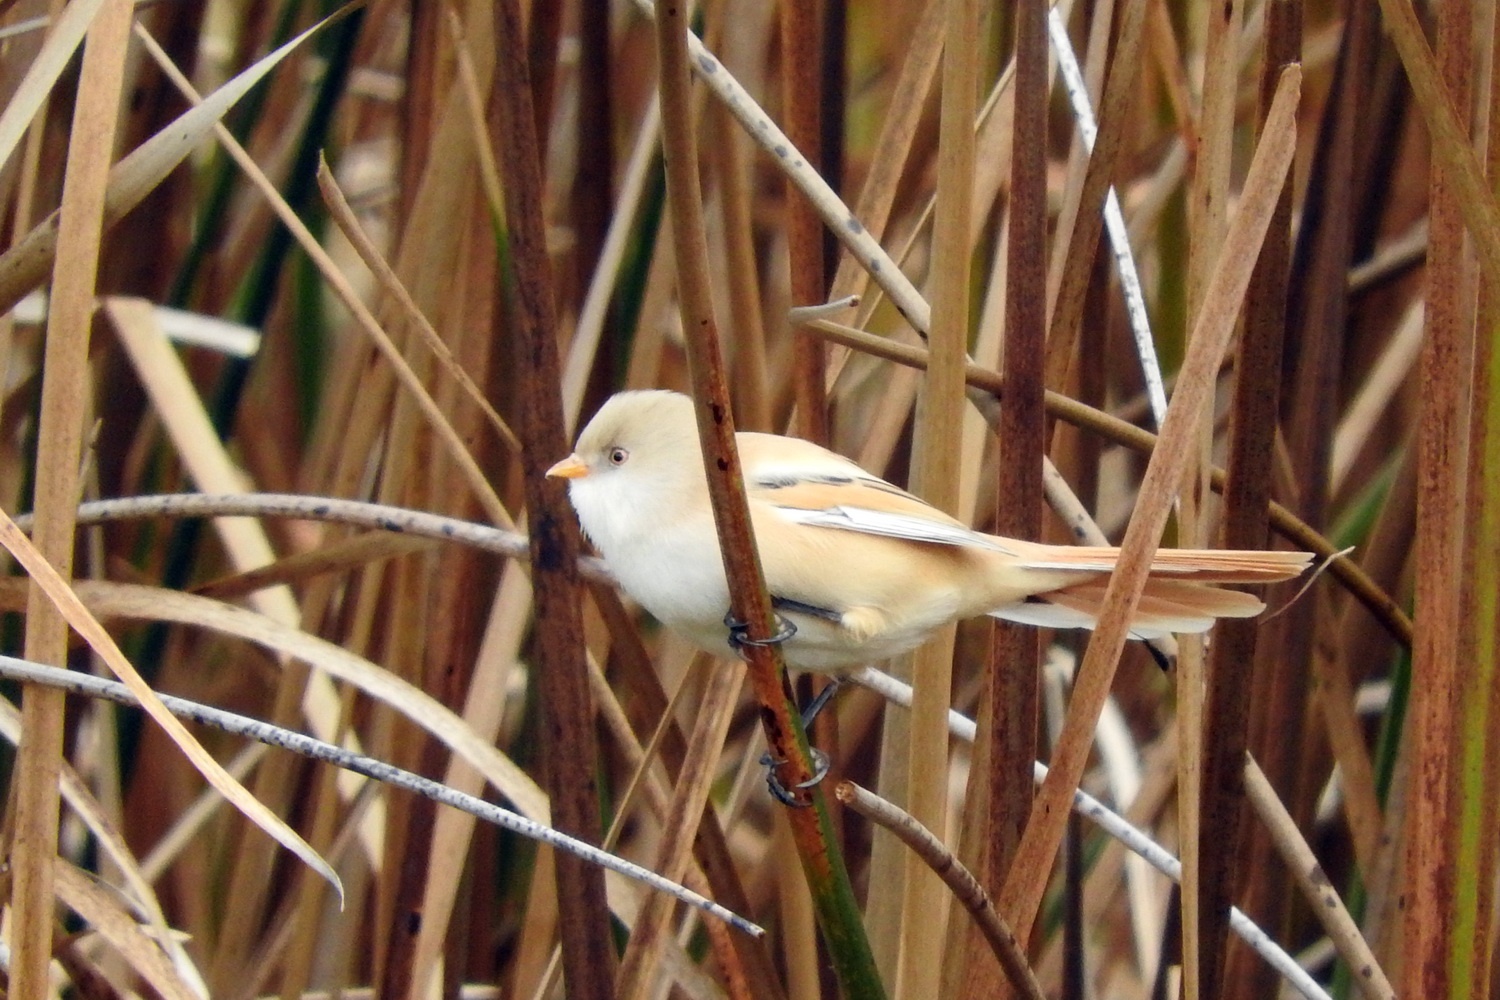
[
  {"x": 137, "y": 887},
  {"x": 24, "y": 266},
  {"x": 203, "y": 454},
  {"x": 385, "y": 275},
  {"x": 458, "y": 450},
  {"x": 71, "y": 607},
  {"x": 41, "y": 76},
  {"x": 63, "y": 414},
  {"x": 211, "y": 469},
  {"x": 102, "y": 911}
]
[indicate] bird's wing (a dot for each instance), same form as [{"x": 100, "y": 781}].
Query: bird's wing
[
  {"x": 879, "y": 522},
  {"x": 871, "y": 507},
  {"x": 808, "y": 484}
]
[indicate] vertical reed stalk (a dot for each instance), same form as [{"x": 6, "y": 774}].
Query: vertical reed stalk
[
  {"x": 936, "y": 453},
  {"x": 65, "y": 385},
  {"x": 801, "y": 90},
  {"x": 822, "y": 864},
  {"x": 566, "y": 702},
  {"x": 1027, "y": 879},
  {"x": 1003, "y": 789},
  {"x": 1252, "y": 436},
  {"x": 1436, "y": 955}
]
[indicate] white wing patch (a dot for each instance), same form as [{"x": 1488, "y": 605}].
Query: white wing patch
[
  {"x": 890, "y": 525},
  {"x": 1107, "y": 566}
]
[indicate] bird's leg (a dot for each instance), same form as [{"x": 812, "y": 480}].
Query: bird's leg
[
  {"x": 820, "y": 760},
  {"x": 738, "y": 640},
  {"x": 820, "y": 701}
]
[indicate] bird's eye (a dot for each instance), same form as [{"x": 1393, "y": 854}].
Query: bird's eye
[{"x": 617, "y": 456}]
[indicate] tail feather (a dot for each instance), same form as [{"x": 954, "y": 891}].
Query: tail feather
[
  {"x": 1166, "y": 606},
  {"x": 1199, "y": 565}
]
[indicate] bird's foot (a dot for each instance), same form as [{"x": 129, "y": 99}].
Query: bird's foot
[
  {"x": 739, "y": 633},
  {"x": 788, "y": 796}
]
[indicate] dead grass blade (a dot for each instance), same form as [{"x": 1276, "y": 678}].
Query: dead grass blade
[
  {"x": 187, "y": 423},
  {"x": 457, "y": 449},
  {"x": 24, "y": 265},
  {"x": 153, "y": 604},
  {"x": 137, "y": 888},
  {"x": 42, "y": 75},
  {"x": 83, "y": 622},
  {"x": 101, "y": 910},
  {"x": 344, "y": 217}
]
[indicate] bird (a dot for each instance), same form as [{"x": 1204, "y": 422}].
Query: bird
[{"x": 859, "y": 570}]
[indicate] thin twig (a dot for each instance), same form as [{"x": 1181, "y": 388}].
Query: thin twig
[
  {"x": 966, "y": 889},
  {"x": 1116, "y": 826},
  {"x": 359, "y": 513},
  {"x": 89, "y": 686},
  {"x": 1322, "y": 897}
]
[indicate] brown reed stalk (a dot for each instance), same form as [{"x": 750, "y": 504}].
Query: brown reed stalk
[
  {"x": 1434, "y": 816},
  {"x": 802, "y": 105},
  {"x": 567, "y": 705},
  {"x": 1001, "y": 792},
  {"x": 1028, "y": 875},
  {"x": 838, "y": 917},
  {"x": 1247, "y": 492}
]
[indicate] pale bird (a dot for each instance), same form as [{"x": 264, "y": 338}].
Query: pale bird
[{"x": 864, "y": 570}]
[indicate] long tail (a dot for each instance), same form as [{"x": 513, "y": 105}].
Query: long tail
[{"x": 1181, "y": 593}]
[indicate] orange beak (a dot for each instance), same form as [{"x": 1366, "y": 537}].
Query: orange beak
[{"x": 571, "y": 467}]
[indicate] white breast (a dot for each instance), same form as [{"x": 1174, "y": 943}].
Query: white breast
[{"x": 676, "y": 574}]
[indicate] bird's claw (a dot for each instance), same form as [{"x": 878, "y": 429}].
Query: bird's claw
[
  {"x": 739, "y": 633},
  {"x": 780, "y": 792}
]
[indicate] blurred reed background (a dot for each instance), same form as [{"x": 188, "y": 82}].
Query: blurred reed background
[{"x": 365, "y": 247}]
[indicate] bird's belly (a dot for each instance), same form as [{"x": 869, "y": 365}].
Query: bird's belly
[{"x": 678, "y": 576}]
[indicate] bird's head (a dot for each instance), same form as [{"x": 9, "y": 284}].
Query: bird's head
[{"x": 636, "y": 463}]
